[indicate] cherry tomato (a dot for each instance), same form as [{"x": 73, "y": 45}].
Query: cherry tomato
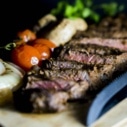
[
  {"x": 43, "y": 50},
  {"x": 46, "y": 42},
  {"x": 26, "y": 35},
  {"x": 25, "y": 56}
]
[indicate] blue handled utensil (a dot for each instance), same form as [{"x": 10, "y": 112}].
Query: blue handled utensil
[{"x": 107, "y": 98}]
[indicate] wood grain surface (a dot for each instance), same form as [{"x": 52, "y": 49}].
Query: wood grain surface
[{"x": 73, "y": 117}]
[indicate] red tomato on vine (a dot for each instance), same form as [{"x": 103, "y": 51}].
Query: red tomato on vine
[{"x": 25, "y": 56}]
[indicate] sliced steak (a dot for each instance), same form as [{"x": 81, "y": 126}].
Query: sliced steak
[
  {"x": 62, "y": 64},
  {"x": 93, "y": 49},
  {"x": 49, "y": 94},
  {"x": 110, "y": 32},
  {"x": 91, "y": 54},
  {"x": 85, "y": 58},
  {"x": 101, "y": 76},
  {"x": 87, "y": 48},
  {"x": 41, "y": 96},
  {"x": 75, "y": 90},
  {"x": 67, "y": 74},
  {"x": 120, "y": 44}
]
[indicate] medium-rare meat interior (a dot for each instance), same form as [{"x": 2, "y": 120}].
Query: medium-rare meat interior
[{"x": 77, "y": 70}]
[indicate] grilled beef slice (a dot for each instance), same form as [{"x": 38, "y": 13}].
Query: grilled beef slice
[
  {"x": 91, "y": 59},
  {"x": 67, "y": 74},
  {"x": 86, "y": 48},
  {"x": 48, "y": 89},
  {"x": 91, "y": 49},
  {"x": 88, "y": 54},
  {"x": 62, "y": 64},
  {"x": 46, "y": 94},
  {"x": 120, "y": 44},
  {"x": 110, "y": 32},
  {"x": 97, "y": 76}
]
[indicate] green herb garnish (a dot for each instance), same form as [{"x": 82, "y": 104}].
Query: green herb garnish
[
  {"x": 86, "y": 9},
  {"x": 112, "y": 8}
]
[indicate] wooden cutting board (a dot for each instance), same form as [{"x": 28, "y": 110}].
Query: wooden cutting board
[{"x": 70, "y": 118}]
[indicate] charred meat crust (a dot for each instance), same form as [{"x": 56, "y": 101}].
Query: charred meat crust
[
  {"x": 91, "y": 49},
  {"x": 88, "y": 54},
  {"x": 63, "y": 64},
  {"x": 86, "y": 47}
]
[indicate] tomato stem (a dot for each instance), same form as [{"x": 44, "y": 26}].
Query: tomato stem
[
  {"x": 9, "y": 46},
  {"x": 12, "y": 45}
]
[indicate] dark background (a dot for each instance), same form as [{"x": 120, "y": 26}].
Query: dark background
[{"x": 21, "y": 14}]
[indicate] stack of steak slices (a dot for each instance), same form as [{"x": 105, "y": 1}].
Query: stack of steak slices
[{"x": 77, "y": 70}]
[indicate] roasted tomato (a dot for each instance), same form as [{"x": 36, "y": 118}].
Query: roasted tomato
[
  {"x": 26, "y": 35},
  {"x": 25, "y": 56},
  {"x": 43, "y": 50},
  {"x": 33, "y": 52},
  {"x": 44, "y": 46}
]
